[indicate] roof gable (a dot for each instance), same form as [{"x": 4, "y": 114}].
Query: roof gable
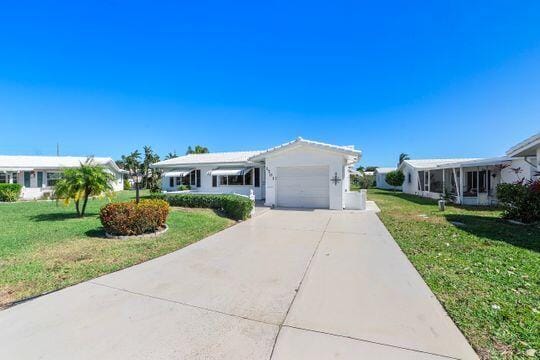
[
  {"x": 347, "y": 151},
  {"x": 525, "y": 148}
]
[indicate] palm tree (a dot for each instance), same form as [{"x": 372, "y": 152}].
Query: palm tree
[
  {"x": 150, "y": 177},
  {"x": 403, "y": 157},
  {"x": 198, "y": 150},
  {"x": 171, "y": 155},
  {"x": 81, "y": 183}
]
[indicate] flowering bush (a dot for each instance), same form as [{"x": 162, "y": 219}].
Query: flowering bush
[
  {"x": 129, "y": 218},
  {"x": 520, "y": 201}
]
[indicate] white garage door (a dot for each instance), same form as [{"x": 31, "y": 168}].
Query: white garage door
[{"x": 303, "y": 186}]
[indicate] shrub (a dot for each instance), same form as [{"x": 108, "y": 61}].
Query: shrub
[
  {"x": 234, "y": 206},
  {"x": 395, "y": 178},
  {"x": 127, "y": 185},
  {"x": 10, "y": 192},
  {"x": 520, "y": 201},
  {"x": 129, "y": 218},
  {"x": 184, "y": 187}
]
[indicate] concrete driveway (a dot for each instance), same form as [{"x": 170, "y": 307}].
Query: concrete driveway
[{"x": 285, "y": 285}]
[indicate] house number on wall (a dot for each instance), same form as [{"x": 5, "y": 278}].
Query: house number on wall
[{"x": 335, "y": 179}]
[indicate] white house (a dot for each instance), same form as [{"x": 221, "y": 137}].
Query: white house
[
  {"x": 471, "y": 181},
  {"x": 300, "y": 173},
  {"x": 380, "y": 178},
  {"x": 38, "y": 174}
]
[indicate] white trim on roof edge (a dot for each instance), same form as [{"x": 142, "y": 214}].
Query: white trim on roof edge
[{"x": 347, "y": 150}]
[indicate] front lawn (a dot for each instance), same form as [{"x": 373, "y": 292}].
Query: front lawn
[
  {"x": 484, "y": 270},
  {"x": 44, "y": 246}
]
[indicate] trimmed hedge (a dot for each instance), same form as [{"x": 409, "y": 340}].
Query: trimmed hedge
[
  {"x": 520, "y": 201},
  {"x": 10, "y": 192},
  {"x": 234, "y": 206},
  {"x": 129, "y": 218}
]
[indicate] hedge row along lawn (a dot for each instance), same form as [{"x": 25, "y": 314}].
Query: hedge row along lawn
[
  {"x": 44, "y": 246},
  {"x": 484, "y": 270}
]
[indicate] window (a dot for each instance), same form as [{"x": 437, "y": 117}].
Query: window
[
  {"x": 192, "y": 178},
  {"x": 214, "y": 181},
  {"x": 248, "y": 178},
  {"x": 409, "y": 178},
  {"x": 14, "y": 178},
  {"x": 171, "y": 182},
  {"x": 3, "y": 177},
  {"x": 472, "y": 181},
  {"x": 52, "y": 178},
  {"x": 257, "y": 177},
  {"x": 198, "y": 174},
  {"x": 185, "y": 180},
  {"x": 236, "y": 180}
]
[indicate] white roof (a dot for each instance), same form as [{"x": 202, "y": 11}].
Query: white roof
[
  {"x": 433, "y": 163},
  {"x": 346, "y": 150},
  {"x": 27, "y": 162},
  {"x": 209, "y": 158},
  {"x": 385, "y": 170},
  {"x": 478, "y": 162},
  {"x": 525, "y": 148}
]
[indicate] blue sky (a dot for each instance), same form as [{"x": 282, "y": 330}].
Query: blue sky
[{"x": 449, "y": 79}]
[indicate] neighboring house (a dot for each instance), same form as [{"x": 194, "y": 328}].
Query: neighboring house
[
  {"x": 380, "y": 178},
  {"x": 529, "y": 149},
  {"x": 471, "y": 181},
  {"x": 38, "y": 174},
  {"x": 301, "y": 173}
]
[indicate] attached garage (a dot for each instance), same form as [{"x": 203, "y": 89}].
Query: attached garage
[
  {"x": 303, "y": 187},
  {"x": 308, "y": 174}
]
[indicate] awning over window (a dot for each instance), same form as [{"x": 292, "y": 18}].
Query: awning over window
[
  {"x": 229, "y": 172},
  {"x": 177, "y": 173}
]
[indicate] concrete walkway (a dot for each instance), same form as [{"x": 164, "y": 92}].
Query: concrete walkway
[{"x": 284, "y": 285}]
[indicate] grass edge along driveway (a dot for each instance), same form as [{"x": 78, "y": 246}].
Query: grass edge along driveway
[
  {"x": 45, "y": 247},
  {"x": 484, "y": 270}
]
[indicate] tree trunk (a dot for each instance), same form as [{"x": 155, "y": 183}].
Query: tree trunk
[
  {"x": 86, "y": 194},
  {"x": 77, "y": 208}
]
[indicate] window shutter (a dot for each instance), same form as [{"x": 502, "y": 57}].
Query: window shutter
[
  {"x": 171, "y": 182},
  {"x": 257, "y": 177},
  {"x": 214, "y": 181},
  {"x": 198, "y": 178}
]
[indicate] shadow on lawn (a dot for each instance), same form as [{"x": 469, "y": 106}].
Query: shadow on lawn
[
  {"x": 419, "y": 200},
  {"x": 524, "y": 236},
  {"x": 96, "y": 233},
  {"x": 59, "y": 216}
]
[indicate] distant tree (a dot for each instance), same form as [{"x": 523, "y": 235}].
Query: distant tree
[
  {"x": 150, "y": 176},
  {"x": 360, "y": 168},
  {"x": 395, "y": 178},
  {"x": 171, "y": 155},
  {"x": 198, "y": 150},
  {"x": 403, "y": 157},
  {"x": 371, "y": 168},
  {"x": 78, "y": 184}
]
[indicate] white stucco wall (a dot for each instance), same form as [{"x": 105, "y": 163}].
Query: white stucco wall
[
  {"x": 307, "y": 156},
  {"x": 412, "y": 186},
  {"x": 381, "y": 183}
]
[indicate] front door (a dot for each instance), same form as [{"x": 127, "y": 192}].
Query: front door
[{"x": 27, "y": 179}]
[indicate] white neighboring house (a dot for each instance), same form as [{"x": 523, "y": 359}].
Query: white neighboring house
[
  {"x": 380, "y": 178},
  {"x": 471, "y": 181},
  {"x": 300, "y": 173},
  {"x": 38, "y": 174}
]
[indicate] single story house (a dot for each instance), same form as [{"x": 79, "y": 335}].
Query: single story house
[
  {"x": 529, "y": 149},
  {"x": 38, "y": 174},
  {"x": 471, "y": 181},
  {"x": 380, "y": 178},
  {"x": 300, "y": 173}
]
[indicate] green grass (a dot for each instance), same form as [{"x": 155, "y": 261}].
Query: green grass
[
  {"x": 44, "y": 246},
  {"x": 485, "y": 271}
]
